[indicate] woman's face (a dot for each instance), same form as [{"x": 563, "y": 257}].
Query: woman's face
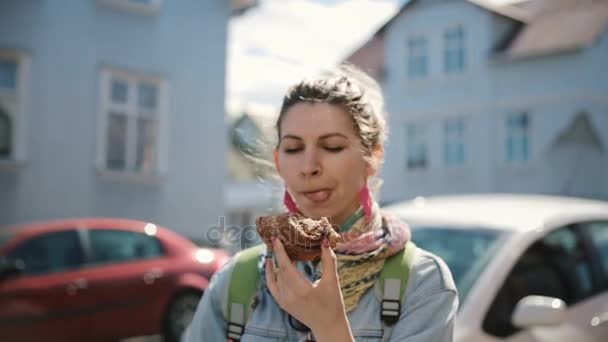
[{"x": 319, "y": 157}]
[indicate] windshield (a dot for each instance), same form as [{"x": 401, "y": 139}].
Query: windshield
[{"x": 467, "y": 251}]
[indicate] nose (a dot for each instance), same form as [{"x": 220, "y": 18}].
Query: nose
[{"x": 311, "y": 165}]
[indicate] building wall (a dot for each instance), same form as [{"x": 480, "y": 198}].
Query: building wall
[
  {"x": 553, "y": 89},
  {"x": 69, "y": 44}
]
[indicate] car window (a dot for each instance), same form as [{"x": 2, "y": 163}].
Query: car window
[
  {"x": 112, "y": 246},
  {"x": 599, "y": 236},
  {"x": 555, "y": 266},
  {"x": 466, "y": 250},
  {"x": 51, "y": 252}
]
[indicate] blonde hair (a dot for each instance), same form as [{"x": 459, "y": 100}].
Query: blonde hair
[{"x": 356, "y": 92}]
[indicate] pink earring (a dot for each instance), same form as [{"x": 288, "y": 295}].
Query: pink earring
[
  {"x": 366, "y": 202},
  {"x": 290, "y": 203}
]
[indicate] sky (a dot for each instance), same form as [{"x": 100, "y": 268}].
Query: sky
[{"x": 280, "y": 41}]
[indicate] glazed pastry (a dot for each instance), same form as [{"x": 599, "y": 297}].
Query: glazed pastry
[{"x": 301, "y": 236}]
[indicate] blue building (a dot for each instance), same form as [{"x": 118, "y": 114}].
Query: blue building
[
  {"x": 114, "y": 108},
  {"x": 495, "y": 99}
]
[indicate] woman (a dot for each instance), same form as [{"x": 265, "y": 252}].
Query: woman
[{"x": 331, "y": 134}]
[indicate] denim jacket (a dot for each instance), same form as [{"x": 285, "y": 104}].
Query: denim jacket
[{"x": 428, "y": 309}]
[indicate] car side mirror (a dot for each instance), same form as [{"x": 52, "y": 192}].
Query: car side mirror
[
  {"x": 10, "y": 268},
  {"x": 532, "y": 311}
]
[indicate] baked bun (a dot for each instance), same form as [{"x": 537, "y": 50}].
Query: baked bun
[{"x": 301, "y": 236}]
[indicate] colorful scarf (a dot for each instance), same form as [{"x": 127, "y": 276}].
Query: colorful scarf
[
  {"x": 365, "y": 247},
  {"x": 360, "y": 256}
]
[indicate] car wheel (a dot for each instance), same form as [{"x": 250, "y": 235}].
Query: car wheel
[{"x": 179, "y": 314}]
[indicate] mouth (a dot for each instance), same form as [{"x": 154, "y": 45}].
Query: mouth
[{"x": 318, "y": 196}]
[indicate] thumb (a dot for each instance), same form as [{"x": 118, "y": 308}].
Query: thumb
[{"x": 328, "y": 262}]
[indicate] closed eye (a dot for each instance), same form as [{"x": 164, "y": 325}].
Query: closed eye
[{"x": 334, "y": 149}]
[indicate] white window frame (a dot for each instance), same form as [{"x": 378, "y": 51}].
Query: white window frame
[
  {"x": 453, "y": 47},
  {"x": 522, "y": 135},
  {"x": 18, "y": 129},
  {"x": 132, "y": 78},
  {"x": 454, "y": 144},
  {"x": 416, "y": 53},
  {"x": 416, "y": 134},
  {"x": 153, "y": 7}
]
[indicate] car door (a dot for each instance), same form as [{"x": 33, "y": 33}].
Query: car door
[
  {"x": 45, "y": 300},
  {"x": 129, "y": 280},
  {"x": 558, "y": 265}
]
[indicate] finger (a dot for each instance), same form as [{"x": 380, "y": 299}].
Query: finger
[
  {"x": 285, "y": 264},
  {"x": 328, "y": 262},
  {"x": 271, "y": 281},
  {"x": 289, "y": 275}
]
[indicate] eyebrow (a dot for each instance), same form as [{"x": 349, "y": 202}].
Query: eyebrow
[{"x": 324, "y": 136}]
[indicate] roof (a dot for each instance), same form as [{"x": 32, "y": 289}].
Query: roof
[
  {"x": 560, "y": 25},
  {"x": 541, "y": 27},
  {"x": 512, "y": 12},
  {"x": 501, "y": 211}
]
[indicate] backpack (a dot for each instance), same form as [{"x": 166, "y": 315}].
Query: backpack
[{"x": 245, "y": 278}]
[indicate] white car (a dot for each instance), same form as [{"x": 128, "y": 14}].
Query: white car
[{"x": 528, "y": 268}]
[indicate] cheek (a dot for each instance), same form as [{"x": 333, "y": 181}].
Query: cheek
[{"x": 349, "y": 172}]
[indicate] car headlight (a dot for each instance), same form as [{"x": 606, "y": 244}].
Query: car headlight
[{"x": 204, "y": 256}]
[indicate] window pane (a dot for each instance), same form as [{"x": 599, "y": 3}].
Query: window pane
[
  {"x": 599, "y": 235},
  {"x": 52, "y": 252},
  {"x": 147, "y": 96},
  {"x": 454, "y": 53},
  {"x": 417, "y": 57},
  {"x": 119, "y": 91},
  {"x": 117, "y": 137},
  {"x": 146, "y": 145},
  {"x": 116, "y": 246},
  {"x": 416, "y": 146},
  {"x": 518, "y": 137},
  {"x": 8, "y": 74},
  {"x": 454, "y": 141},
  {"x": 5, "y": 134}
]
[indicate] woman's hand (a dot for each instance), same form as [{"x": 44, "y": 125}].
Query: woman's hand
[{"x": 318, "y": 305}]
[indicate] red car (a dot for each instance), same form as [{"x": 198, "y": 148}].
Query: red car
[{"x": 99, "y": 279}]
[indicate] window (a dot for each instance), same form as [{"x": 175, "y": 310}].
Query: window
[
  {"x": 116, "y": 246},
  {"x": 131, "y": 117},
  {"x": 51, "y": 252},
  {"x": 599, "y": 238},
  {"x": 518, "y": 137},
  {"x": 417, "y": 62},
  {"x": 555, "y": 266},
  {"x": 416, "y": 146},
  {"x": 454, "y": 50},
  {"x": 13, "y": 67},
  {"x": 453, "y": 145},
  {"x": 142, "y": 7},
  {"x": 466, "y": 250}
]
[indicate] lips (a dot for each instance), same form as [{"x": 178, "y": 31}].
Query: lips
[{"x": 318, "y": 196}]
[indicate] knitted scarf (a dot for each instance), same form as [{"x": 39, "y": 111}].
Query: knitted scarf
[{"x": 365, "y": 247}]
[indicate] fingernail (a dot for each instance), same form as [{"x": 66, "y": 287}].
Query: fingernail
[{"x": 326, "y": 243}]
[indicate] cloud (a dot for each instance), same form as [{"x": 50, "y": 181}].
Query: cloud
[{"x": 278, "y": 43}]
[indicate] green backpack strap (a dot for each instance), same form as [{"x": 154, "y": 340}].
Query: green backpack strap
[
  {"x": 393, "y": 282},
  {"x": 242, "y": 288}
]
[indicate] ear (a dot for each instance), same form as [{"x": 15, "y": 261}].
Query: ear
[
  {"x": 377, "y": 155},
  {"x": 276, "y": 160}
]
